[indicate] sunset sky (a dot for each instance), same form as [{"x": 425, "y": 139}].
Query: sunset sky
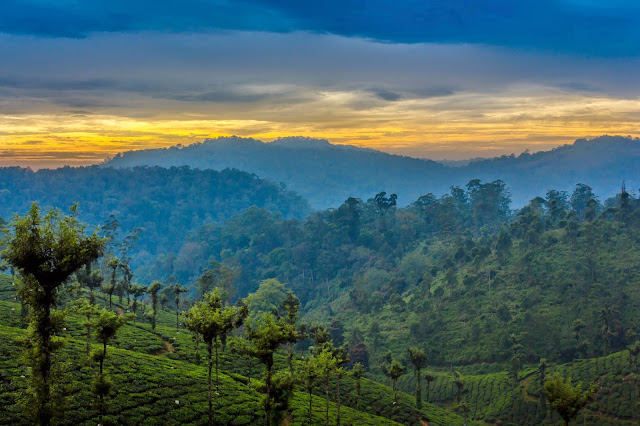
[{"x": 81, "y": 80}]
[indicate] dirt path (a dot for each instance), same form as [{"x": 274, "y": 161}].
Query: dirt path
[{"x": 167, "y": 347}]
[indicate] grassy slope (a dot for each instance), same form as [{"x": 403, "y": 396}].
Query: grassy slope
[{"x": 157, "y": 369}]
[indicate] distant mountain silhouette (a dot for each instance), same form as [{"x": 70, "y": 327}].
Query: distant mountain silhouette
[{"x": 327, "y": 174}]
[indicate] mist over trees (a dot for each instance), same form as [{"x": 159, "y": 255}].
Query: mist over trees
[
  {"x": 327, "y": 174},
  {"x": 162, "y": 205}
]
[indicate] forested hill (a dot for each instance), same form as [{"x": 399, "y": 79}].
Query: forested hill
[
  {"x": 326, "y": 174},
  {"x": 167, "y": 204},
  {"x": 322, "y": 173},
  {"x": 458, "y": 275}
]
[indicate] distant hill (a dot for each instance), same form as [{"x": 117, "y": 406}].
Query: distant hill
[
  {"x": 323, "y": 173},
  {"x": 327, "y": 174},
  {"x": 167, "y": 204},
  {"x": 603, "y": 163}
]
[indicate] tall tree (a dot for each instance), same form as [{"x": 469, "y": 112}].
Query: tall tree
[
  {"x": 177, "y": 290},
  {"x": 418, "y": 359},
  {"x": 212, "y": 320},
  {"x": 217, "y": 274},
  {"x": 309, "y": 371},
  {"x": 107, "y": 325},
  {"x": 327, "y": 366},
  {"x": 264, "y": 336},
  {"x": 429, "y": 378},
  {"x": 394, "y": 370},
  {"x": 46, "y": 250},
  {"x": 113, "y": 264},
  {"x": 90, "y": 278},
  {"x": 88, "y": 310},
  {"x": 154, "y": 288},
  {"x": 137, "y": 291},
  {"x": 358, "y": 372}
]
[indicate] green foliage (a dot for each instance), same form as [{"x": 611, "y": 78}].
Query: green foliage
[
  {"x": 46, "y": 250},
  {"x": 565, "y": 398}
]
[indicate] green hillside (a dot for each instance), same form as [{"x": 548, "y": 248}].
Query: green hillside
[
  {"x": 156, "y": 381},
  {"x": 483, "y": 290}
]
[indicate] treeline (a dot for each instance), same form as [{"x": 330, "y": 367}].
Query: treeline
[
  {"x": 457, "y": 275},
  {"x": 165, "y": 204},
  {"x": 46, "y": 251}
]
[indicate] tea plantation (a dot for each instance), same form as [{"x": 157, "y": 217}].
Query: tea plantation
[{"x": 157, "y": 380}]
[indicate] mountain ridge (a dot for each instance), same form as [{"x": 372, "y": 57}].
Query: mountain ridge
[{"x": 326, "y": 174}]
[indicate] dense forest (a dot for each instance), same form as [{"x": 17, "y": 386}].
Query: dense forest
[
  {"x": 463, "y": 269},
  {"x": 157, "y": 207},
  {"x": 327, "y": 174},
  {"x": 448, "y": 309}
]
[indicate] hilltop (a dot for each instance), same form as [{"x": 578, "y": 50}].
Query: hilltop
[{"x": 327, "y": 174}]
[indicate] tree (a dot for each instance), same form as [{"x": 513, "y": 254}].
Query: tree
[
  {"x": 565, "y": 398},
  {"x": 264, "y": 336},
  {"x": 90, "y": 279},
  {"x": 374, "y": 332},
  {"x": 309, "y": 371},
  {"x": 216, "y": 275},
  {"x": 418, "y": 359},
  {"x": 46, "y": 250},
  {"x": 110, "y": 288},
  {"x": 89, "y": 310},
  {"x": 137, "y": 291},
  {"x": 429, "y": 378},
  {"x": 153, "y": 290},
  {"x": 358, "y": 372},
  {"x": 578, "y": 325},
  {"x": 177, "y": 290},
  {"x": 107, "y": 325},
  {"x": 213, "y": 321},
  {"x": 394, "y": 370},
  {"x": 327, "y": 365}
]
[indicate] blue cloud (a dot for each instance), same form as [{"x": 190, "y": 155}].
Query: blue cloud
[{"x": 569, "y": 26}]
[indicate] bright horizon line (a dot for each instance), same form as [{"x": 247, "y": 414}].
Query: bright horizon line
[{"x": 392, "y": 151}]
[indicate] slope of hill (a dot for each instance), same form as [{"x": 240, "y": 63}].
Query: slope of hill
[
  {"x": 605, "y": 163},
  {"x": 458, "y": 276},
  {"x": 326, "y": 174},
  {"x": 322, "y": 173},
  {"x": 156, "y": 380},
  {"x": 166, "y": 203}
]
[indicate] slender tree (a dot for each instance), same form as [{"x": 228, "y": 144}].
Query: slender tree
[
  {"x": 327, "y": 366},
  {"x": 88, "y": 310},
  {"x": 177, "y": 290},
  {"x": 153, "y": 290},
  {"x": 113, "y": 264},
  {"x": 213, "y": 321},
  {"x": 429, "y": 378},
  {"x": 107, "y": 325},
  {"x": 46, "y": 250},
  {"x": 90, "y": 278},
  {"x": 394, "y": 370},
  {"x": 358, "y": 372},
  {"x": 418, "y": 359},
  {"x": 309, "y": 371},
  {"x": 264, "y": 336},
  {"x": 137, "y": 291}
]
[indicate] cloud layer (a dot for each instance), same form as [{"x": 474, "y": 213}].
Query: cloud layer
[
  {"x": 80, "y": 81},
  {"x": 591, "y": 27}
]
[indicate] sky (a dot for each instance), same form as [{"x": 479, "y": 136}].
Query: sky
[{"x": 82, "y": 80}]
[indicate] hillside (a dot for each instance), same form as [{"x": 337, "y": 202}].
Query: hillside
[
  {"x": 322, "y": 173},
  {"x": 157, "y": 380},
  {"x": 165, "y": 204},
  {"x": 327, "y": 174},
  {"x": 462, "y": 278}
]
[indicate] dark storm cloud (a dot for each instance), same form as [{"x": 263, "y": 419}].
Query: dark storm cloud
[{"x": 588, "y": 27}]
